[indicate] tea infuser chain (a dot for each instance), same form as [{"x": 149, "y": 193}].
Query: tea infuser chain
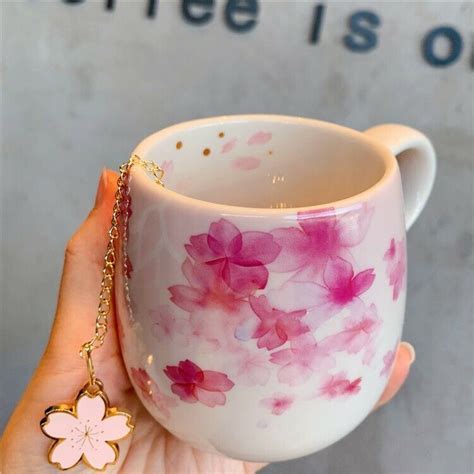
[{"x": 119, "y": 212}]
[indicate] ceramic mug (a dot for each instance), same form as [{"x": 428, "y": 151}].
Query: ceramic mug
[{"x": 264, "y": 292}]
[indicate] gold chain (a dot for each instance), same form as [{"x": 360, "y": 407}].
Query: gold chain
[{"x": 120, "y": 213}]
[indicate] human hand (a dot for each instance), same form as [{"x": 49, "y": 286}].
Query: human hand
[{"x": 61, "y": 372}]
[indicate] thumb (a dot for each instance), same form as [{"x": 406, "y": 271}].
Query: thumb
[{"x": 82, "y": 275}]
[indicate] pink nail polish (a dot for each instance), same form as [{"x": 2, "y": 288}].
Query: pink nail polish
[
  {"x": 101, "y": 188},
  {"x": 410, "y": 349}
]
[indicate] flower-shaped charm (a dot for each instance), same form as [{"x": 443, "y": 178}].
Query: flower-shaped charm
[{"x": 87, "y": 430}]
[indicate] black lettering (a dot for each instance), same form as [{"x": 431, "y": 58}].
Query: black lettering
[
  {"x": 318, "y": 17},
  {"x": 455, "y": 46},
  {"x": 362, "y": 38},
  {"x": 240, "y": 15},
  {"x": 197, "y": 12}
]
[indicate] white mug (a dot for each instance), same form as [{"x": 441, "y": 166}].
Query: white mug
[{"x": 264, "y": 292}]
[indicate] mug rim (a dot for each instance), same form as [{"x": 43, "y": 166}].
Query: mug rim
[{"x": 389, "y": 161}]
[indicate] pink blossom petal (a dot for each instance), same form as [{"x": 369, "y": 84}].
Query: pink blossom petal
[
  {"x": 390, "y": 253},
  {"x": 257, "y": 248},
  {"x": 221, "y": 234},
  {"x": 271, "y": 340},
  {"x": 338, "y": 273},
  {"x": 215, "y": 382},
  {"x": 99, "y": 454},
  {"x": 283, "y": 357},
  {"x": 114, "y": 427},
  {"x": 66, "y": 453},
  {"x": 260, "y": 138},
  {"x": 229, "y": 146},
  {"x": 59, "y": 424},
  {"x": 352, "y": 227},
  {"x": 295, "y": 249},
  {"x": 210, "y": 399},
  {"x": 294, "y": 374},
  {"x": 245, "y": 280},
  {"x": 90, "y": 407},
  {"x": 295, "y": 295},
  {"x": 198, "y": 249},
  {"x": 320, "y": 224},
  {"x": 363, "y": 281},
  {"x": 190, "y": 371},
  {"x": 186, "y": 392},
  {"x": 246, "y": 163},
  {"x": 185, "y": 297}
]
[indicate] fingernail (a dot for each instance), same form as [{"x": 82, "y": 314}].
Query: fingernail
[
  {"x": 101, "y": 188},
  {"x": 410, "y": 349}
]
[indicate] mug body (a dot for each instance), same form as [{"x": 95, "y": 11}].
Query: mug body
[{"x": 263, "y": 294}]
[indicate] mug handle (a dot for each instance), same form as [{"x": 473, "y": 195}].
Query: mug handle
[{"x": 417, "y": 162}]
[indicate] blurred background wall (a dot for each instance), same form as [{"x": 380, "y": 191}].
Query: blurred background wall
[{"x": 82, "y": 85}]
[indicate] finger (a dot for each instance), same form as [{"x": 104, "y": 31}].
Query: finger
[
  {"x": 82, "y": 274},
  {"x": 404, "y": 359}
]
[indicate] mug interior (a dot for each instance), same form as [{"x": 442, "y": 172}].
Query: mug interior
[{"x": 274, "y": 162}]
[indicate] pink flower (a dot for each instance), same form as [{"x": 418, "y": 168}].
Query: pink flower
[
  {"x": 396, "y": 260},
  {"x": 276, "y": 326},
  {"x": 300, "y": 361},
  {"x": 151, "y": 391},
  {"x": 85, "y": 431},
  {"x": 278, "y": 404},
  {"x": 193, "y": 385},
  {"x": 322, "y": 235},
  {"x": 166, "y": 326},
  {"x": 217, "y": 312},
  {"x": 358, "y": 333},
  {"x": 388, "y": 360},
  {"x": 252, "y": 368},
  {"x": 341, "y": 288},
  {"x": 339, "y": 385},
  {"x": 206, "y": 290},
  {"x": 239, "y": 257}
]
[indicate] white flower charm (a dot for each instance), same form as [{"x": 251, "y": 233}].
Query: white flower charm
[{"x": 86, "y": 431}]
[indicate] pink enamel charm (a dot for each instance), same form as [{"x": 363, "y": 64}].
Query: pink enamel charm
[{"x": 86, "y": 431}]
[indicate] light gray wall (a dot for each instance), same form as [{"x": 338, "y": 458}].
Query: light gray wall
[{"x": 81, "y": 86}]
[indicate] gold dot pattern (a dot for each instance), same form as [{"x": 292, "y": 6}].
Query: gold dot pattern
[
  {"x": 179, "y": 145},
  {"x": 221, "y": 135},
  {"x": 206, "y": 152}
]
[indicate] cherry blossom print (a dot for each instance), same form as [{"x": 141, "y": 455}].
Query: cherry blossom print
[
  {"x": 151, "y": 392},
  {"x": 276, "y": 326},
  {"x": 229, "y": 146},
  {"x": 86, "y": 431},
  {"x": 260, "y": 138},
  {"x": 252, "y": 368},
  {"x": 299, "y": 362},
  {"x": 246, "y": 163},
  {"x": 396, "y": 260},
  {"x": 360, "y": 329},
  {"x": 206, "y": 290},
  {"x": 278, "y": 404},
  {"x": 339, "y": 385},
  {"x": 341, "y": 288},
  {"x": 388, "y": 360},
  {"x": 192, "y": 384},
  {"x": 166, "y": 326},
  {"x": 216, "y": 311},
  {"x": 321, "y": 235},
  {"x": 341, "y": 285},
  {"x": 240, "y": 256}
]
